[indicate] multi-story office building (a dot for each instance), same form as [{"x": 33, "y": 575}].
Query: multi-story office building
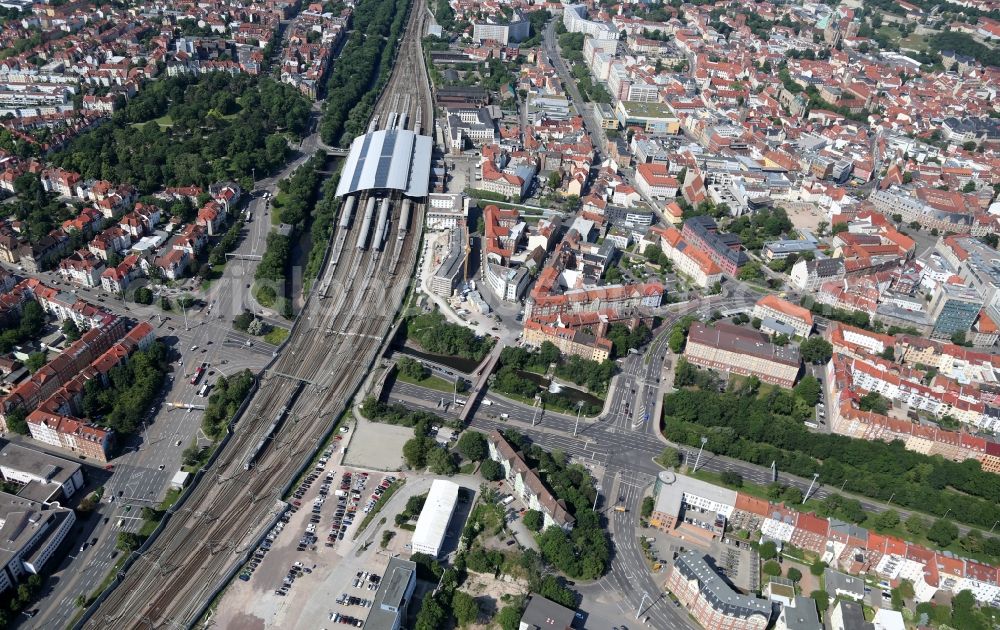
[
  {"x": 730, "y": 348},
  {"x": 711, "y": 600},
  {"x": 517, "y": 30},
  {"x": 771, "y": 308},
  {"x": 388, "y": 609},
  {"x": 30, "y": 534},
  {"x": 954, "y": 309},
  {"x": 575, "y": 21},
  {"x": 725, "y": 249}
]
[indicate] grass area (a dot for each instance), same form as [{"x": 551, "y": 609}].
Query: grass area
[
  {"x": 913, "y": 41},
  {"x": 276, "y": 335},
  {"x": 430, "y": 382},
  {"x": 391, "y": 490},
  {"x": 891, "y": 33},
  {"x": 467, "y": 469},
  {"x": 165, "y": 122}
]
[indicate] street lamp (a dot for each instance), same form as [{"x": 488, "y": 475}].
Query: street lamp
[
  {"x": 994, "y": 526},
  {"x": 641, "y": 604},
  {"x": 579, "y": 409},
  {"x": 811, "y": 485},
  {"x": 704, "y": 440},
  {"x": 534, "y": 415}
]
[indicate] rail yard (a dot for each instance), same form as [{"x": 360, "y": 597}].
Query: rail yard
[{"x": 336, "y": 338}]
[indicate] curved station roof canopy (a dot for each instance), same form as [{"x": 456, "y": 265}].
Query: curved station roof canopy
[{"x": 388, "y": 159}]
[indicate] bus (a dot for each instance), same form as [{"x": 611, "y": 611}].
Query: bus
[
  {"x": 204, "y": 390},
  {"x": 198, "y": 374}
]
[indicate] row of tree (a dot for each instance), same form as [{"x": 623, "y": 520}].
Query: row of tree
[
  {"x": 594, "y": 375},
  {"x": 363, "y": 67},
  {"x": 123, "y": 403},
  {"x": 762, "y": 429}
]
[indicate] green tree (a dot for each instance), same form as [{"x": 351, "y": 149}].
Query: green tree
[
  {"x": 676, "y": 341},
  {"x": 128, "y": 542},
  {"x": 243, "y": 320},
  {"x": 143, "y": 295},
  {"x": 792, "y": 495},
  {"x": 411, "y": 369},
  {"x": 35, "y": 362},
  {"x": 533, "y": 520},
  {"x": 432, "y": 615},
  {"x": 942, "y": 532},
  {"x": 647, "y": 507},
  {"x": 71, "y": 330},
  {"x": 768, "y": 550},
  {"x": 793, "y": 574},
  {"x": 16, "y": 420},
  {"x": 822, "y": 599},
  {"x": 816, "y": 350},
  {"x": 509, "y": 617},
  {"x": 771, "y": 568},
  {"x": 809, "y": 390},
  {"x": 464, "y": 607},
  {"x": 415, "y": 452},
  {"x": 731, "y": 478},
  {"x": 491, "y": 470},
  {"x": 750, "y": 271},
  {"x": 441, "y": 462},
  {"x": 670, "y": 457},
  {"x": 917, "y": 525},
  {"x": 472, "y": 446},
  {"x": 817, "y": 568},
  {"x": 886, "y": 520},
  {"x": 874, "y": 402}
]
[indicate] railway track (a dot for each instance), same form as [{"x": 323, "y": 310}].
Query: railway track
[{"x": 334, "y": 342}]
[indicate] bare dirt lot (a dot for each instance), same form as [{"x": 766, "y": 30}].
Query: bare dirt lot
[
  {"x": 805, "y": 216},
  {"x": 378, "y": 446}
]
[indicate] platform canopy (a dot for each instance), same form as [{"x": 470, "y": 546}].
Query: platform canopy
[{"x": 388, "y": 159}]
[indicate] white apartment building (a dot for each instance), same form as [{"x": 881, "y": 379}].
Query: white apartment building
[{"x": 575, "y": 21}]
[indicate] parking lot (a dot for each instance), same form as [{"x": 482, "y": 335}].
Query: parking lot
[
  {"x": 296, "y": 557},
  {"x": 323, "y": 584}
]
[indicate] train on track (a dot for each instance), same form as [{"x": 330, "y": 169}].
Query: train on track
[{"x": 276, "y": 423}]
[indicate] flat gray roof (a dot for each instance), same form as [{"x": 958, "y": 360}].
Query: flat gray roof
[
  {"x": 391, "y": 593},
  {"x": 672, "y": 487},
  {"x": 39, "y": 464},
  {"x": 388, "y": 159}
]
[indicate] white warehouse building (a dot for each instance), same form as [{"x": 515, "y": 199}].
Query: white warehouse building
[{"x": 434, "y": 517}]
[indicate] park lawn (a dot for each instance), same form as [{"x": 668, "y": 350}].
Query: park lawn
[
  {"x": 276, "y": 335},
  {"x": 165, "y": 122},
  {"x": 891, "y": 32},
  {"x": 914, "y": 41},
  {"x": 430, "y": 382}
]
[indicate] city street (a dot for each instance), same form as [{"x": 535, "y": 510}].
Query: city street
[
  {"x": 143, "y": 472},
  {"x": 619, "y": 447}
]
